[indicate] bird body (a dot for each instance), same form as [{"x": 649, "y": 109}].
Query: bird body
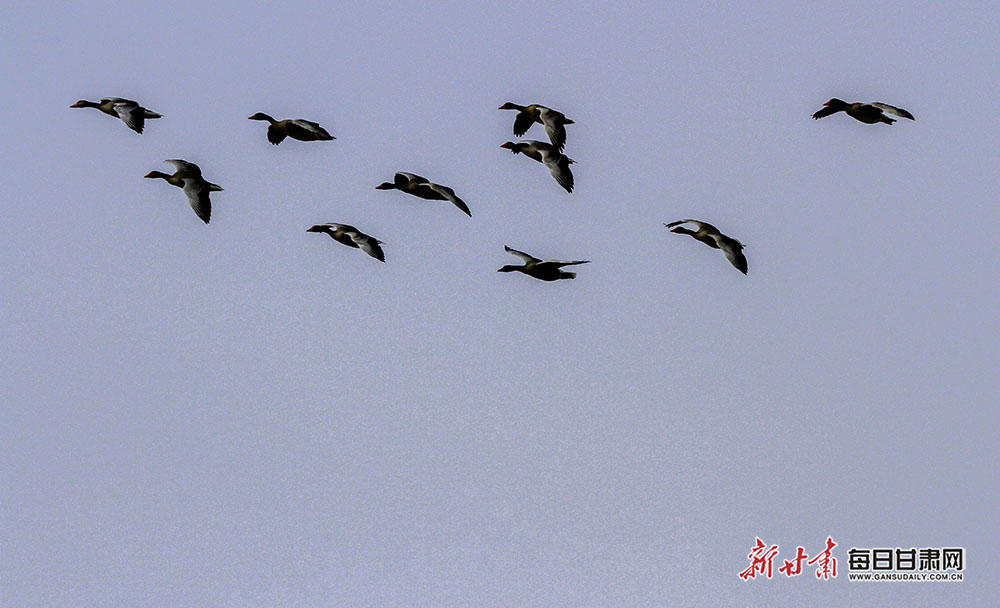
[
  {"x": 296, "y": 128},
  {"x": 545, "y": 270},
  {"x": 554, "y": 122},
  {"x": 131, "y": 113},
  {"x": 711, "y": 236},
  {"x": 352, "y": 237},
  {"x": 188, "y": 177},
  {"x": 421, "y": 187},
  {"x": 547, "y": 154},
  {"x": 869, "y": 113}
]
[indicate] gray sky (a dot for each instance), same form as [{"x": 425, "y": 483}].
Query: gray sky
[{"x": 245, "y": 414}]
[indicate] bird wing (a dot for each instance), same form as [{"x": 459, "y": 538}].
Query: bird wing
[
  {"x": 276, "y": 134},
  {"x": 524, "y": 256},
  {"x": 734, "y": 252},
  {"x": 555, "y": 127},
  {"x": 131, "y": 114},
  {"x": 826, "y": 111},
  {"x": 892, "y": 110},
  {"x": 197, "y": 193},
  {"x": 697, "y": 223},
  {"x": 368, "y": 244},
  {"x": 185, "y": 168},
  {"x": 449, "y": 195},
  {"x": 560, "y": 263},
  {"x": 403, "y": 178},
  {"x": 310, "y": 127},
  {"x": 558, "y": 165},
  {"x": 522, "y": 122}
]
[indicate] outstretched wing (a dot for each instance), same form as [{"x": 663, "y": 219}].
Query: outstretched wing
[
  {"x": 275, "y": 134},
  {"x": 185, "y": 168},
  {"x": 697, "y": 223},
  {"x": 826, "y": 111},
  {"x": 561, "y": 263},
  {"x": 131, "y": 114},
  {"x": 449, "y": 195},
  {"x": 368, "y": 244},
  {"x": 524, "y": 256},
  {"x": 310, "y": 128},
  {"x": 558, "y": 165},
  {"x": 893, "y": 110},
  {"x": 555, "y": 127},
  {"x": 197, "y": 194},
  {"x": 522, "y": 122},
  {"x": 403, "y": 178},
  {"x": 734, "y": 252}
]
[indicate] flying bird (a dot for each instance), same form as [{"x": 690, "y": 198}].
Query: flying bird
[
  {"x": 420, "y": 186},
  {"x": 132, "y": 114},
  {"x": 352, "y": 237},
  {"x": 188, "y": 177},
  {"x": 545, "y": 270},
  {"x": 547, "y": 154},
  {"x": 296, "y": 128},
  {"x": 555, "y": 122},
  {"x": 711, "y": 236},
  {"x": 870, "y": 113}
]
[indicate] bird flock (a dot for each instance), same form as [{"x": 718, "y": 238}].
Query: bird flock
[{"x": 188, "y": 176}]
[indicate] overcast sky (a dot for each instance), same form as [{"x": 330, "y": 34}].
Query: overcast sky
[{"x": 247, "y": 414}]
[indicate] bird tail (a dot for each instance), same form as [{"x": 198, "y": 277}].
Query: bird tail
[
  {"x": 214, "y": 187},
  {"x": 151, "y": 114}
]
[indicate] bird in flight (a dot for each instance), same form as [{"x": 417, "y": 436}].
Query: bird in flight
[
  {"x": 545, "y": 270},
  {"x": 421, "y": 187},
  {"x": 296, "y": 128},
  {"x": 547, "y": 154},
  {"x": 554, "y": 122},
  {"x": 869, "y": 113},
  {"x": 188, "y": 177},
  {"x": 710, "y": 235},
  {"x": 352, "y": 237},
  {"x": 132, "y": 114}
]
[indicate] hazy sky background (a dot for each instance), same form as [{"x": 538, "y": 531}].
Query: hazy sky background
[{"x": 245, "y": 414}]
